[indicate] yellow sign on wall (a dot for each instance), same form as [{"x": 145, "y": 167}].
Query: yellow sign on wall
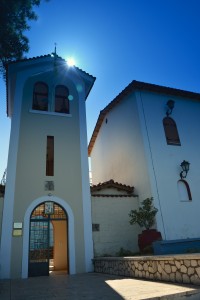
[{"x": 17, "y": 232}]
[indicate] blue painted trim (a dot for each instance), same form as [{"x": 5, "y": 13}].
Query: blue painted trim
[{"x": 177, "y": 246}]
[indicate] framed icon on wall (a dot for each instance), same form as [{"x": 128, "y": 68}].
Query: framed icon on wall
[{"x": 48, "y": 208}]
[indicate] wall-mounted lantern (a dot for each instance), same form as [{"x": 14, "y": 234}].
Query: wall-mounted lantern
[
  {"x": 185, "y": 165},
  {"x": 170, "y": 107}
]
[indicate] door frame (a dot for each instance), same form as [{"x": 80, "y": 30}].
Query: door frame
[{"x": 71, "y": 235}]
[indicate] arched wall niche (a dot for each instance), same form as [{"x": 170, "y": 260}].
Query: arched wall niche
[{"x": 184, "y": 190}]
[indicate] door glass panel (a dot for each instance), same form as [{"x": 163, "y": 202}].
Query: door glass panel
[{"x": 39, "y": 241}]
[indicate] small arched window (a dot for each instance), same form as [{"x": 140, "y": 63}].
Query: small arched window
[
  {"x": 171, "y": 132},
  {"x": 61, "y": 99},
  {"x": 40, "y": 96},
  {"x": 184, "y": 190}
]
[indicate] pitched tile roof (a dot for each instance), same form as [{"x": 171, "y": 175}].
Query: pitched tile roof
[
  {"x": 44, "y": 56},
  {"x": 112, "y": 184},
  {"x": 133, "y": 86},
  {"x": 36, "y": 58},
  {"x": 28, "y": 59}
]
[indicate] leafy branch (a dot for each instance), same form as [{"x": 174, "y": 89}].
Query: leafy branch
[
  {"x": 15, "y": 16},
  {"x": 145, "y": 215}
]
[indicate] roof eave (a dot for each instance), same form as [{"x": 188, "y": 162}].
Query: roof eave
[
  {"x": 134, "y": 86},
  {"x": 90, "y": 79}
]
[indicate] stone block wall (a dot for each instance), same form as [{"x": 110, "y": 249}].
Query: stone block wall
[{"x": 176, "y": 268}]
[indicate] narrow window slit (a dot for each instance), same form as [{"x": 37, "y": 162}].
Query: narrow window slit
[{"x": 50, "y": 156}]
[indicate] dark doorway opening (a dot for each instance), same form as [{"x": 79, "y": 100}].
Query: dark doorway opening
[{"x": 48, "y": 240}]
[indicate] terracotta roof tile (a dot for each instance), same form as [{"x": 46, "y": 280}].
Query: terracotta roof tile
[
  {"x": 28, "y": 59},
  {"x": 112, "y": 195},
  {"x": 133, "y": 86},
  {"x": 112, "y": 184}
]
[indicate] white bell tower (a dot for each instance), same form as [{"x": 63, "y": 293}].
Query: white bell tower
[{"x": 47, "y": 165}]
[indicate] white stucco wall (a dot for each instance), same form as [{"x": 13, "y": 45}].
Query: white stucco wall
[
  {"x": 118, "y": 152},
  {"x": 131, "y": 148},
  {"x": 112, "y": 215},
  {"x": 181, "y": 219}
]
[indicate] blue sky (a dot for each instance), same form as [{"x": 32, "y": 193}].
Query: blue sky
[{"x": 155, "y": 41}]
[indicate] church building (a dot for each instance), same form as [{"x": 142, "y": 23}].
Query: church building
[{"x": 145, "y": 145}]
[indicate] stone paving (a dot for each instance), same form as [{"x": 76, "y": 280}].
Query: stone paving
[{"x": 93, "y": 286}]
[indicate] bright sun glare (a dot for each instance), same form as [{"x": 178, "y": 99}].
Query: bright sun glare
[{"x": 71, "y": 61}]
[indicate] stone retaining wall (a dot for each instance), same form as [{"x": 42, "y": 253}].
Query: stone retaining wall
[{"x": 176, "y": 268}]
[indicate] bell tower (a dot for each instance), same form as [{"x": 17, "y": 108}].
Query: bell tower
[{"x": 47, "y": 172}]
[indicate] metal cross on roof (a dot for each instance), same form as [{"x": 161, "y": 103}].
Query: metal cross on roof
[{"x": 54, "y": 53}]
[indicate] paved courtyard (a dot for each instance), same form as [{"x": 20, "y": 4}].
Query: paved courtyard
[{"x": 93, "y": 286}]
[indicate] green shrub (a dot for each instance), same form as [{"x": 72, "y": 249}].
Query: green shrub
[
  {"x": 145, "y": 215},
  {"x": 123, "y": 252}
]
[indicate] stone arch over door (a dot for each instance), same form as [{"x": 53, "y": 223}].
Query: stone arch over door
[{"x": 26, "y": 225}]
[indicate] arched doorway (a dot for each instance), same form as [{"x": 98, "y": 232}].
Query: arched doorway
[{"x": 48, "y": 239}]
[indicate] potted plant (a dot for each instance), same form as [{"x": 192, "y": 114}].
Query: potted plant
[{"x": 145, "y": 217}]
